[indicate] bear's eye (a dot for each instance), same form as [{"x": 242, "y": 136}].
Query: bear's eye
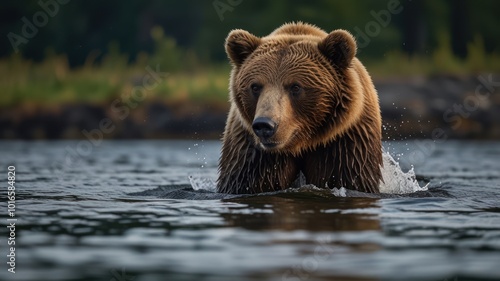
[
  {"x": 256, "y": 89},
  {"x": 295, "y": 90}
]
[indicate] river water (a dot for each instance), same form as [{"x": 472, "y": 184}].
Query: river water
[{"x": 125, "y": 210}]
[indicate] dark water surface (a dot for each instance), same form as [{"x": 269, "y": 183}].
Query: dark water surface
[{"x": 102, "y": 217}]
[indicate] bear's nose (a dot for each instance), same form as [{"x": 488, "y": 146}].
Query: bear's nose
[{"x": 264, "y": 127}]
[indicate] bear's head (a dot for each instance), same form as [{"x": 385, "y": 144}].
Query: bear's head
[{"x": 295, "y": 88}]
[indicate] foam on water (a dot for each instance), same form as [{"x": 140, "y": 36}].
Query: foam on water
[{"x": 395, "y": 181}]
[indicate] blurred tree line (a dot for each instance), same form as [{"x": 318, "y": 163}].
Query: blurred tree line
[{"x": 83, "y": 29}]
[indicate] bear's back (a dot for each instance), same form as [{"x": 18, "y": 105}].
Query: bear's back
[
  {"x": 297, "y": 32},
  {"x": 299, "y": 28}
]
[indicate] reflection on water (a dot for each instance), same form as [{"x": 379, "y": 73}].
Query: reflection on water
[
  {"x": 116, "y": 215},
  {"x": 299, "y": 212}
]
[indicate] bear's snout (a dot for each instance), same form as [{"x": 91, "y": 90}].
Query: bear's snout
[{"x": 264, "y": 127}]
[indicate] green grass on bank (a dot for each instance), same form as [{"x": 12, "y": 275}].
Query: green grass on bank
[
  {"x": 438, "y": 61},
  {"x": 53, "y": 82}
]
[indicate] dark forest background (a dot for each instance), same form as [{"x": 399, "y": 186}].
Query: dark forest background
[{"x": 83, "y": 27}]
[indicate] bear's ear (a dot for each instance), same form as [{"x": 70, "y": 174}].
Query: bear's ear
[
  {"x": 240, "y": 44},
  {"x": 339, "y": 47}
]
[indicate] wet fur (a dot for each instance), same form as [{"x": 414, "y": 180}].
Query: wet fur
[{"x": 332, "y": 133}]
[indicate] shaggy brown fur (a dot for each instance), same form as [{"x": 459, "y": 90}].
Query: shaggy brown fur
[{"x": 322, "y": 101}]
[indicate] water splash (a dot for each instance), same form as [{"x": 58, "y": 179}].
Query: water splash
[
  {"x": 339, "y": 192},
  {"x": 395, "y": 180},
  {"x": 204, "y": 183}
]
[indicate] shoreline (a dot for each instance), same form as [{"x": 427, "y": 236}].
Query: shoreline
[{"x": 411, "y": 108}]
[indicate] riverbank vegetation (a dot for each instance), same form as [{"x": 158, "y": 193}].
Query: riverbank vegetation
[{"x": 186, "y": 78}]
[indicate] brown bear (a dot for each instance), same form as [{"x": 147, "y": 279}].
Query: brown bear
[{"x": 301, "y": 102}]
